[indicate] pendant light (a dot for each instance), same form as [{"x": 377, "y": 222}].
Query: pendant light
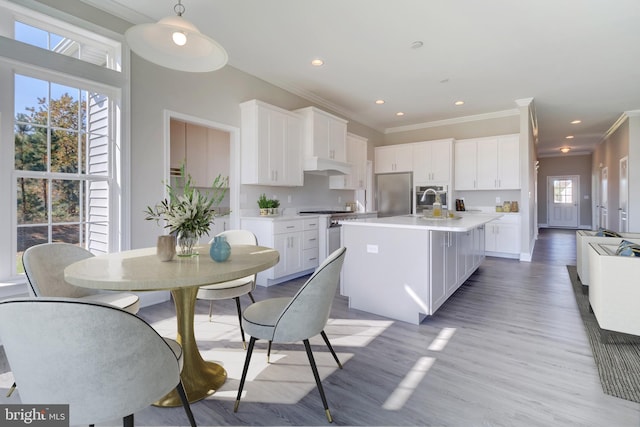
[{"x": 176, "y": 43}]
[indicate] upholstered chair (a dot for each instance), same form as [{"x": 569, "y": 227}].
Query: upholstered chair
[
  {"x": 44, "y": 266},
  {"x": 285, "y": 320},
  {"x": 102, "y": 361},
  {"x": 234, "y": 288}
]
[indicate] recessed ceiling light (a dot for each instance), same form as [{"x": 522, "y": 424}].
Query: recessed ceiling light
[
  {"x": 575, "y": 122},
  {"x": 399, "y": 113},
  {"x": 569, "y": 137},
  {"x": 379, "y": 101},
  {"x": 317, "y": 62},
  {"x": 565, "y": 150},
  {"x": 459, "y": 102},
  {"x": 417, "y": 44}
]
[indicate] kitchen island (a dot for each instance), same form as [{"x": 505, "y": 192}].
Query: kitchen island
[{"x": 405, "y": 267}]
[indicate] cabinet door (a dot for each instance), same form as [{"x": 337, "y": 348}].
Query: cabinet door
[
  {"x": 281, "y": 243},
  {"x": 404, "y": 158},
  {"x": 509, "y": 162},
  {"x": 440, "y": 161},
  {"x": 320, "y": 143},
  {"x": 421, "y": 163},
  {"x": 465, "y": 165},
  {"x": 437, "y": 270},
  {"x": 178, "y": 148},
  {"x": 450, "y": 262},
  {"x": 357, "y": 157},
  {"x": 337, "y": 140},
  {"x": 487, "y": 164},
  {"x": 508, "y": 238},
  {"x": 385, "y": 159},
  {"x": 292, "y": 174}
]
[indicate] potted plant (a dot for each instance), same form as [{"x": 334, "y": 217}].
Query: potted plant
[
  {"x": 274, "y": 205},
  {"x": 188, "y": 214},
  {"x": 264, "y": 204}
]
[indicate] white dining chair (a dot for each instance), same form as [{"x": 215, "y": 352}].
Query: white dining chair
[
  {"x": 233, "y": 288},
  {"x": 285, "y": 320},
  {"x": 44, "y": 266},
  {"x": 104, "y": 362}
]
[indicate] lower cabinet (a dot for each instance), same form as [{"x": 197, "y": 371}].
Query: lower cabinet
[
  {"x": 295, "y": 239},
  {"x": 502, "y": 237},
  {"x": 443, "y": 269}
]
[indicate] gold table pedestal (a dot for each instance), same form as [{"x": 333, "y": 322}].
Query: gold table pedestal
[{"x": 199, "y": 377}]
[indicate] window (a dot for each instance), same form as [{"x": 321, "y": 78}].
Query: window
[
  {"x": 563, "y": 191},
  {"x": 61, "y": 144},
  {"x": 61, "y": 164}
]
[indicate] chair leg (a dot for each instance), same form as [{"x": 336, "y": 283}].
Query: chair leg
[
  {"x": 314, "y": 368},
  {"x": 10, "y": 392},
  {"x": 268, "y": 352},
  {"x": 127, "y": 421},
  {"x": 210, "y": 309},
  {"x": 333, "y": 353},
  {"x": 244, "y": 343},
  {"x": 252, "y": 342},
  {"x": 251, "y": 296},
  {"x": 185, "y": 403}
]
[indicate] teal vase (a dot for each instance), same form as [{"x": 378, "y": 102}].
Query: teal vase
[{"x": 220, "y": 249}]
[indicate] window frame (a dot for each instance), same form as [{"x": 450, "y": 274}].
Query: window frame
[{"x": 19, "y": 58}]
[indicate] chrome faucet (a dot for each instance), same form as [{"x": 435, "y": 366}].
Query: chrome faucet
[{"x": 429, "y": 191}]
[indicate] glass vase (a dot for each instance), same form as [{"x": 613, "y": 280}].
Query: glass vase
[
  {"x": 186, "y": 243},
  {"x": 220, "y": 249}
]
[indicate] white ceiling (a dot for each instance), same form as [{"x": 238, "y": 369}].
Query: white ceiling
[{"x": 578, "y": 59}]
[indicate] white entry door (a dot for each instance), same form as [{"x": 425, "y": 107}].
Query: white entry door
[
  {"x": 604, "y": 199},
  {"x": 563, "y": 206},
  {"x": 624, "y": 195}
]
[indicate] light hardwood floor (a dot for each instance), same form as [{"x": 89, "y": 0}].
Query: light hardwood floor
[{"x": 508, "y": 349}]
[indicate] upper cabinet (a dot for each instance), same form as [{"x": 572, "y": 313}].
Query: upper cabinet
[
  {"x": 488, "y": 163},
  {"x": 204, "y": 152},
  {"x": 325, "y": 135},
  {"x": 394, "y": 158},
  {"x": 432, "y": 162},
  {"x": 357, "y": 156},
  {"x": 270, "y": 146}
]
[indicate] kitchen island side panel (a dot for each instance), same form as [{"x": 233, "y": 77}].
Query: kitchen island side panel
[{"x": 386, "y": 271}]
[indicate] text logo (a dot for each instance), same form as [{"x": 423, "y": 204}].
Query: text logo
[{"x": 34, "y": 415}]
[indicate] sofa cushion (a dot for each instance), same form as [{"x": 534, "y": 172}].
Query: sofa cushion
[
  {"x": 607, "y": 233},
  {"x": 627, "y": 248}
]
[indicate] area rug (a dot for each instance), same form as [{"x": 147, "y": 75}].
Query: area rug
[{"x": 617, "y": 359}]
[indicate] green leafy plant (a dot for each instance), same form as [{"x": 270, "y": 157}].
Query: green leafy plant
[
  {"x": 190, "y": 211},
  {"x": 263, "y": 202},
  {"x": 275, "y": 203}
]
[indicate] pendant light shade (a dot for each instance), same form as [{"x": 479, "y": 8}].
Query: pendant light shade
[{"x": 176, "y": 43}]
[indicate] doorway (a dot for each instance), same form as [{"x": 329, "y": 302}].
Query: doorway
[
  {"x": 563, "y": 201},
  {"x": 215, "y": 134}
]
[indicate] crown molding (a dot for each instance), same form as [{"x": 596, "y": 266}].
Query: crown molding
[
  {"x": 456, "y": 120},
  {"x": 119, "y": 10}
]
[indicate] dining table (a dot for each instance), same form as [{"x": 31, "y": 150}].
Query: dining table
[{"x": 142, "y": 270}]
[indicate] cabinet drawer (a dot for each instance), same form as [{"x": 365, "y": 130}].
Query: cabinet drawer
[
  {"x": 311, "y": 224},
  {"x": 310, "y": 239},
  {"x": 310, "y": 258},
  {"x": 280, "y": 227}
]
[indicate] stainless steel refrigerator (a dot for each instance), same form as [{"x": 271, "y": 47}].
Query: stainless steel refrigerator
[{"x": 394, "y": 194}]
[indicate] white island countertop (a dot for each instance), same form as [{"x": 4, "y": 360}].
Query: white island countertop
[{"x": 462, "y": 222}]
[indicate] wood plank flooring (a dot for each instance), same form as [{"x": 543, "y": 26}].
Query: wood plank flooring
[{"x": 508, "y": 349}]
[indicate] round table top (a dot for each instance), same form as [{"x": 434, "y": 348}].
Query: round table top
[{"x": 141, "y": 270}]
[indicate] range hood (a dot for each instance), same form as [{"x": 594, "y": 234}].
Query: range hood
[{"x": 321, "y": 166}]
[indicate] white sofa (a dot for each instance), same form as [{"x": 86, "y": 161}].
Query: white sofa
[
  {"x": 584, "y": 238},
  {"x": 614, "y": 292}
]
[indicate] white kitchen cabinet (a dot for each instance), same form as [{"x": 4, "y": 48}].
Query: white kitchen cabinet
[
  {"x": 324, "y": 134},
  {"x": 432, "y": 162},
  {"x": 394, "y": 158},
  {"x": 203, "y": 151},
  {"x": 465, "y": 155},
  {"x": 502, "y": 236},
  {"x": 295, "y": 239},
  {"x": 270, "y": 146},
  {"x": 491, "y": 163},
  {"x": 443, "y": 269},
  {"x": 357, "y": 157}
]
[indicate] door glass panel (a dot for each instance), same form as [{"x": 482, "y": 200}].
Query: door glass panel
[{"x": 563, "y": 191}]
